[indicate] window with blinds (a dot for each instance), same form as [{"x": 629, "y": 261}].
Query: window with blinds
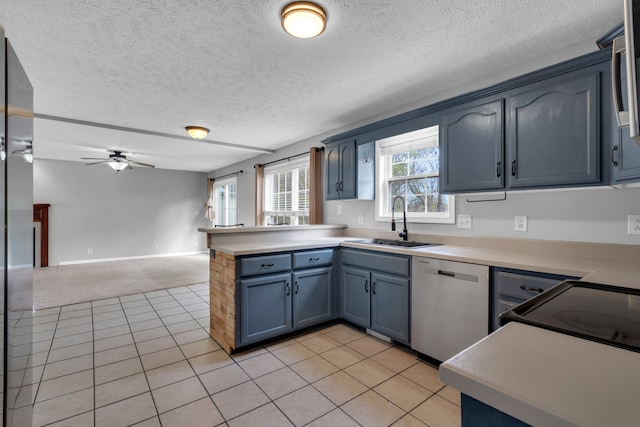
[
  {"x": 408, "y": 178},
  {"x": 286, "y": 198}
]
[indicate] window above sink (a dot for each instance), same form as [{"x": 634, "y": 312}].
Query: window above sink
[{"x": 408, "y": 166}]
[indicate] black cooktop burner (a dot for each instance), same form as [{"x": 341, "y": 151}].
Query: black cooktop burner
[{"x": 602, "y": 313}]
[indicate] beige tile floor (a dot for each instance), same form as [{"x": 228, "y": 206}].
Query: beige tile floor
[{"x": 147, "y": 360}]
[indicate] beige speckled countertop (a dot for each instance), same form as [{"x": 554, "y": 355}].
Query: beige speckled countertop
[{"x": 549, "y": 379}]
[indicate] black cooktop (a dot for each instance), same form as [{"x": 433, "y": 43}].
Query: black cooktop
[{"x": 602, "y": 313}]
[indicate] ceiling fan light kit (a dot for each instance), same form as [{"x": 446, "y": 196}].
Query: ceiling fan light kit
[
  {"x": 303, "y": 19},
  {"x": 118, "y": 166},
  {"x": 197, "y": 132}
]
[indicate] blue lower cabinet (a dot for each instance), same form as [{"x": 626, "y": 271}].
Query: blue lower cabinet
[
  {"x": 478, "y": 414},
  {"x": 356, "y": 297},
  {"x": 312, "y": 296},
  {"x": 390, "y": 306},
  {"x": 266, "y": 307}
]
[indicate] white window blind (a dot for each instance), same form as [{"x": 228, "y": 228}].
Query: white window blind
[{"x": 286, "y": 199}]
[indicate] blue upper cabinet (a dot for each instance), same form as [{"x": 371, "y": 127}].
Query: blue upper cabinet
[
  {"x": 553, "y": 132},
  {"x": 349, "y": 170},
  {"x": 472, "y": 141},
  {"x": 546, "y": 133},
  {"x": 625, "y": 158},
  {"x": 340, "y": 170}
]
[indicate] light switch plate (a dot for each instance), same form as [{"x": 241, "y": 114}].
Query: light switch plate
[
  {"x": 464, "y": 221},
  {"x": 521, "y": 223}
]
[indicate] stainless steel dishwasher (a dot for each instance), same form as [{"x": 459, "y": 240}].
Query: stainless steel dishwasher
[{"x": 449, "y": 306}]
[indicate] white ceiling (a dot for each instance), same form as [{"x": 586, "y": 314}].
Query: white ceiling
[{"x": 147, "y": 68}]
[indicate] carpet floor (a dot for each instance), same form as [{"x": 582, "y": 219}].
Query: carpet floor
[{"x": 71, "y": 284}]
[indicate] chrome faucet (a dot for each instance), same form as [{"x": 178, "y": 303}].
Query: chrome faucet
[{"x": 404, "y": 234}]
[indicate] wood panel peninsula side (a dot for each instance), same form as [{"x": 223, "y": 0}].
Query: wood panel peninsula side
[
  {"x": 222, "y": 297},
  {"x": 227, "y": 245}
]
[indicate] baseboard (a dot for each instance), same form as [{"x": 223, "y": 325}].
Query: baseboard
[{"x": 91, "y": 261}]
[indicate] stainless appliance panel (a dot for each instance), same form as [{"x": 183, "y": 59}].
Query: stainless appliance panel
[{"x": 449, "y": 306}]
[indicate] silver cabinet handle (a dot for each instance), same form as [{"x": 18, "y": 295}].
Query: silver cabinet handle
[
  {"x": 297, "y": 287},
  {"x": 266, "y": 265},
  {"x": 373, "y": 288},
  {"x": 614, "y": 157},
  {"x": 366, "y": 286},
  {"x": 288, "y": 289}
]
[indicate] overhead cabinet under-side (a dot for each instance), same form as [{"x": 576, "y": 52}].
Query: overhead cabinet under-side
[{"x": 541, "y": 135}]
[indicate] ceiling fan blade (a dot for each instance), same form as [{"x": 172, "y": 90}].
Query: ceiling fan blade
[
  {"x": 93, "y": 158},
  {"x": 96, "y": 163},
  {"x": 146, "y": 165}
]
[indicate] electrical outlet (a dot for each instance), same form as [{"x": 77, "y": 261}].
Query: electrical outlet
[
  {"x": 90, "y": 251},
  {"x": 464, "y": 221},
  {"x": 633, "y": 224},
  {"x": 157, "y": 246},
  {"x": 521, "y": 223},
  {"x": 360, "y": 219},
  {"x": 339, "y": 208}
]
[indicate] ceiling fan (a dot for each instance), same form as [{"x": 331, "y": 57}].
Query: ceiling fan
[{"x": 117, "y": 161}]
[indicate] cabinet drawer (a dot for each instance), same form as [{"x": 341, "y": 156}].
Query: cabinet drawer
[
  {"x": 265, "y": 264},
  {"x": 523, "y": 287},
  {"x": 312, "y": 258},
  {"x": 394, "y": 264}
]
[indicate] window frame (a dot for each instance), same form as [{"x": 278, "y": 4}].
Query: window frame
[
  {"x": 217, "y": 184},
  {"x": 410, "y": 140},
  {"x": 299, "y": 215}
]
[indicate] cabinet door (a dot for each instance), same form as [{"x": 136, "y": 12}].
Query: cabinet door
[
  {"x": 390, "y": 306},
  {"x": 265, "y": 307},
  {"x": 356, "y": 286},
  {"x": 553, "y": 132},
  {"x": 348, "y": 170},
  {"x": 332, "y": 170},
  {"x": 312, "y": 296},
  {"x": 625, "y": 157},
  {"x": 471, "y": 142}
]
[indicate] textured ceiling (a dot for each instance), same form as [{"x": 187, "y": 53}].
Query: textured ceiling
[{"x": 160, "y": 65}]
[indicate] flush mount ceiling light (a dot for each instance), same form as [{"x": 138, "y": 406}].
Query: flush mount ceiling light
[
  {"x": 303, "y": 19},
  {"x": 197, "y": 132}
]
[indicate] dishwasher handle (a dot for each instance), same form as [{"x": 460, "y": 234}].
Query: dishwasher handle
[{"x": 446, "y": 273}]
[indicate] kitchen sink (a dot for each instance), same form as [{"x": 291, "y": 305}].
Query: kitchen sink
[{"x": 390, "y": 242}]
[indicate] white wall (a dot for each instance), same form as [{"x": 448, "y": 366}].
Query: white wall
[
  {"x": 119, "y": 215},
  {"x": 585, "y": 215}
]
